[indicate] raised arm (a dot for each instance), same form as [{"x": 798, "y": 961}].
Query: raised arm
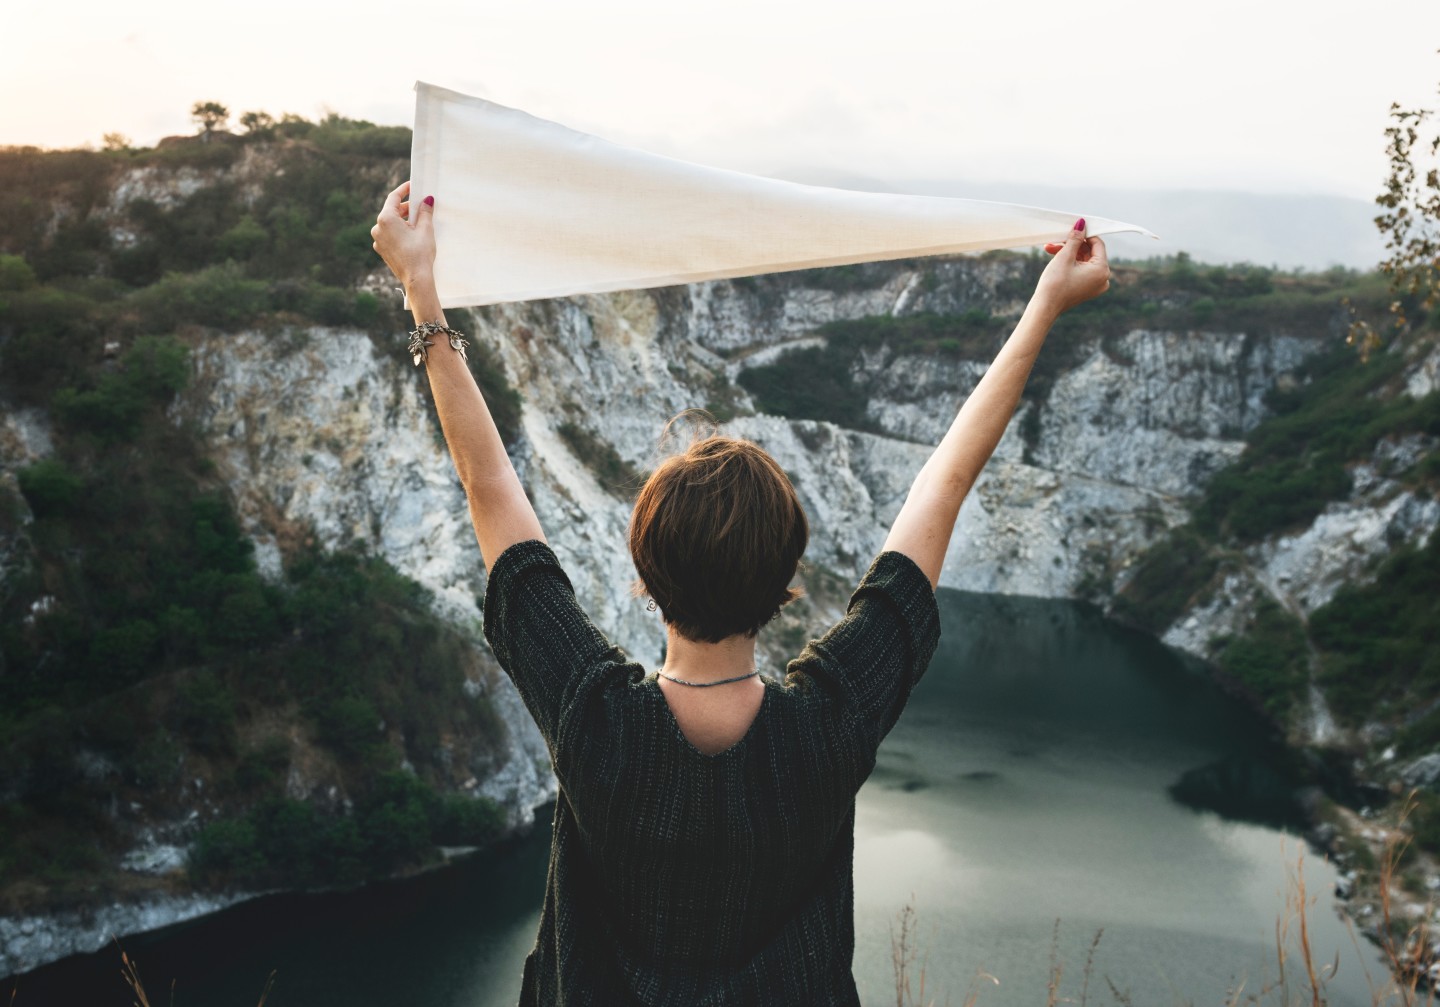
[
  {"x": 925, "y": 523},
  {"x": 405, "y": 238}
]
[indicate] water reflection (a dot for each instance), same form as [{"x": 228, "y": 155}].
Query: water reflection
[
  {"x": 1241, "y": 788},
  {"x": 1030, "y": 779}
]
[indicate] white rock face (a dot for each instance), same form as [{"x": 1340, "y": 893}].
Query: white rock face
[
  {"x": 1424, "y": 378},
  {"x": 1342, "y": 543},
  {"x": 330, "y": 436},
  {"x": 916, "y": 398},
  {"x": 1303, "y": 570},
  {"x": 1423, "y": 772},
  {"x": 315, "y": 432},
  {"x": 24, "y": 437},
  {"x": 1225, "y": 613},
  {"x": 158, "y": 859},
  {"x": 1163, "y": 410},
  {"x": 27, "y": 942}
]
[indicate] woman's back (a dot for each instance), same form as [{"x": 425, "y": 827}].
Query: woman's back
[
  {"x": 680, "y": 877},
  {"x": 667, "y": 870}
]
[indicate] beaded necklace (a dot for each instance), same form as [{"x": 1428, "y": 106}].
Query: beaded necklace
[{"x": 701, "y": 685}]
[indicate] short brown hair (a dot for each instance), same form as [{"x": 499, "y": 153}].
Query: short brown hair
[{"x": 716, "y": 536}]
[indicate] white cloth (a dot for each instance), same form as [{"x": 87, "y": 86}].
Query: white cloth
[{"x": 527, "y": 208}]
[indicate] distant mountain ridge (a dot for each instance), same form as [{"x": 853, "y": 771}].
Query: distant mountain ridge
[{"x": 1291, "y": 231}]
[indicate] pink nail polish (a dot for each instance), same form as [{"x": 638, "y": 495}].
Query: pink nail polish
[
  {"x": 430, "y": 201},
  {"x": 1079, "y": 224}
]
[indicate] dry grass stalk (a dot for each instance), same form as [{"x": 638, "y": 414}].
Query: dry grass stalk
[
  {"x": 1053, "y": 987},
  {"x": 1307, "y": 957},
  {"x": 903, "y": 955},
  {"x": 1409, "y": 955},
  {"x": 131, "y": 974},
  {"x": 972, "y": 993},
  {"x": 1089, "y": 964}
]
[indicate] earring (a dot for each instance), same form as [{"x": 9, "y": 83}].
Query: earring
[{"x": 652, "y": 606}]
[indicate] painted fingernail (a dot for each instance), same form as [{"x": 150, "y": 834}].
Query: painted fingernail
[
  {"x": 1079, "y": 224},
  {"x": 430, "y": 201}
]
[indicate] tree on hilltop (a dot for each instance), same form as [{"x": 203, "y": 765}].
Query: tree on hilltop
[
  {"x": 209, "y": 116},
  {"x": 1410, "y": 221},
  {"x": 258, "y": 123}
]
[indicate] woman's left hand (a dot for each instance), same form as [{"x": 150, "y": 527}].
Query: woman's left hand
[{"x": 404, "y": 235}]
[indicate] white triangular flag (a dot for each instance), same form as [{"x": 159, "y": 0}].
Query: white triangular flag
[{"x": 528, "y": 208}]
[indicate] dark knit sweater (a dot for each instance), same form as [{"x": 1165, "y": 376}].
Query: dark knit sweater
[{"x": 703, "y": 880}]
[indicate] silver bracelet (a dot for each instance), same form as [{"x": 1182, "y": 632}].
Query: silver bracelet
[{"x": 420, "y": 345}]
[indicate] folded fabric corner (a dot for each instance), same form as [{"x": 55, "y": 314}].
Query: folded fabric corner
[{"x": 527, "y": 208}]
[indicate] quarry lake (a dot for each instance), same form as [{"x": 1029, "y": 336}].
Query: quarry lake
[{"x": 1032, "y": 778}]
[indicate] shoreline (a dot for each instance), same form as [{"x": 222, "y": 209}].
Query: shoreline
[
  {"x": 31, "y": 941},
  {"x": 1375, "y": 893}
]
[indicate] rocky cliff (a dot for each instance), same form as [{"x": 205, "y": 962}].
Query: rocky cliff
[{"x": 322, "y": 436}]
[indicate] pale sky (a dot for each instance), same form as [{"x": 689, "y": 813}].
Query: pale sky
[{"x": 1256, "y": 95}]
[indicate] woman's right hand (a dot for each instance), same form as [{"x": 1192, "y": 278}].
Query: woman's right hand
[
  {"x": 1079, "y": 271},
  {"x": 404, "y": 236}
]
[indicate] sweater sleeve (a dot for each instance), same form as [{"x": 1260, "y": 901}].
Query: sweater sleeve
[
  {"x": 875, "y": 655},
  {"x": 538, "y": 632}
]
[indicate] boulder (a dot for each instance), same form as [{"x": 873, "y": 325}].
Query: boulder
[{"x": 1423, "y": 772}]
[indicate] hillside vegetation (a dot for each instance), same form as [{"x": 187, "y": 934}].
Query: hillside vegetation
[{"x": 145, "y": 665}]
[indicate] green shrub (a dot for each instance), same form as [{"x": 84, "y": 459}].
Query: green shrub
[
  {"x": 228, "y": 848},
  {"x": 205, "y": 707},
  {"x": 1270, "y": 660},
  {"x": 193, "y": 154},
  {"x": 338, "y": 306},
  {"x": 857, "y": 276},
  {"x": 1166, "y": 579},
  {"x": 43, "y": 848},
  {"x": 15, "y": 273},
  {"x": 77, "y": 248},
  {"x": 124, "y": 652},
  {"x": 150, "y": 373},
  {"x": 349, "y": 725},
  {"x": 156, "y": 763},
  {"x": 246, "y": 616},
  {"x": 813, "y": 383},
  {"x": 396, "y": 822},
  {"x": 50, "y": 337},
  {"x": 218, "y": 296},
  {"x": 1380, "y": 642},
  {"x": 264, "y": 765},
  {"x": 244, "y": 240},
  {"x": 615, "y": 473},
  {"x": 356, "y": 136},
  {"x": 50, "y": 487},
  {"x": 467, "y": 821},
  {"x": 501, "y": 398}
]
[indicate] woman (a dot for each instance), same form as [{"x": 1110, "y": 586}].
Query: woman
[{"x": 704, "y": 832}]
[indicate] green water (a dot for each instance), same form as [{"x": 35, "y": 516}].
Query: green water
[{"x": 1027, "y": 781}]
